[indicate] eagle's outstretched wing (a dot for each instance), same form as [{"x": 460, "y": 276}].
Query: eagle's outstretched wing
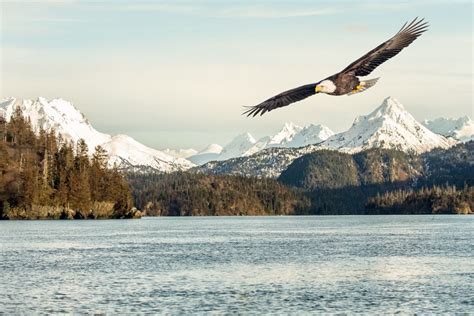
[
  {"x": 407, "y": 34},
  {"x": 282, "y": 99}
]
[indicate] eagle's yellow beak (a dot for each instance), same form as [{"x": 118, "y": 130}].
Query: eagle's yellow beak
[{"x": 318, "y": 88}]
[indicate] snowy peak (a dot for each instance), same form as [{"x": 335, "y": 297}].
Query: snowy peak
[
  {"x": 242, "y": 139},
  {"x": 238, "y": 146},
  {"x": 212, "y": 149},
  {"x": 285, "y": 135},
  {"x": 390, "y": 108},
  {"x": 291, "y": 135},
  {"x": 388, "y": 126},
  {"x": 72, "y": 125},
  {"x": 309, "y": 135},
  {"x": 461, "y": 128}
]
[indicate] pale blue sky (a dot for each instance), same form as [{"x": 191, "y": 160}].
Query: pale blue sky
[{"x": 177, "y": 73}]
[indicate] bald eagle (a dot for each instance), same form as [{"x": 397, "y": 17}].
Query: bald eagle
[{"x": 347, "y": 82}]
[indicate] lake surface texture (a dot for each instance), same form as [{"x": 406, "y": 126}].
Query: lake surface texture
[{"x": 255, "y": 264}]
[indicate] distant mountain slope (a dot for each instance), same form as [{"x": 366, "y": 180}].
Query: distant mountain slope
[
  {"x": 327, "y": 169},
  {"x": 453, "y": 166},
  {"x": 461, "y": 129},
  {"x": 72, "y": 125},
  {"x": 211, "y": 152},
  {"x": 269, "y": 163},
  {"x": 389, "y": 126}
]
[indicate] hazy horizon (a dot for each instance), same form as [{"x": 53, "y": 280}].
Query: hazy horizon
[{"x": 177, "y": 74}]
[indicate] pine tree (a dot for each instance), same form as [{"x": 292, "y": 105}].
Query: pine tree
[
  {"x": 98, "y": 174},
  {"x": 80, "y": 188}
]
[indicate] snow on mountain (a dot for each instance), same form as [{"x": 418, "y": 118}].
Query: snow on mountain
[
  {"x": 209, "y": 153},
  {"x": 283, "y": 137},
  {"x": 180, "y": 153},
  {"x": 72, "y": 125},
  {"x": 237, "y": 147},
  {"x": 461, "y": 129},
  {"x": 290, "y": 136},
  {"x": 56, "y": 114},
  {"x": 388, "y": 126},
  {"x": 212, "y": 149},
  {"x": 309, "y": 135},
  {"x": 259, "y": 145},
  {"x": 125, "y": 151},
  {"x": 267, "y": 163}
]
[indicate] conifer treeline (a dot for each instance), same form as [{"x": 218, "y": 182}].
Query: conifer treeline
[
  {"x": 188, "y": 194},
  {"x": 44, "y": 177},
  {"x": 435, "y": 200}
]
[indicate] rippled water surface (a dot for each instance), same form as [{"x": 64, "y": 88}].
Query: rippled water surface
[{"x": 261, "y": 264}]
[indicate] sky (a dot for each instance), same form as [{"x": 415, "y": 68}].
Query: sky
[{"x": 176, "y": 74}]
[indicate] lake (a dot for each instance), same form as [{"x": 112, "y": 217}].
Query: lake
[{"x": 389, "y": 264}]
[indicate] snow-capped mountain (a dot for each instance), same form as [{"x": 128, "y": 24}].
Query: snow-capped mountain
[
  {"x": 461, "y": 129},
  {"x": 239, "y": 146},
  {"x": 309, "y": 135},
  {"x": 71, "y": 124},
  {"x": 286, "y": 135},
  {"x": 388, "y": 126},
  {"x": 290, "y": 136}
]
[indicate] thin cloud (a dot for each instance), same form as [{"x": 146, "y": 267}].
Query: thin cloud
[
  {"x": 232, "y": 11},
  {"x": 56, "y": 20},
  {"x": 275, "y": 13}
]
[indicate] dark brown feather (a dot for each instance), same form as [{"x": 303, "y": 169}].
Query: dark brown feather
[
  {"x": 282, "y": 99},
  {"x": 405, "y": 36}
]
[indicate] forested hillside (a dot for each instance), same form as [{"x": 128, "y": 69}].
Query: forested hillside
[
  {"x": 185, "y": 194},
  {"x": 339, "y": 183},
  {"x": 43, "y": 177}
]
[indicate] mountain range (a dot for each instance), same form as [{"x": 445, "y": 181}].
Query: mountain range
[
  {"x": 461, "y": 129},
  {"x": 389, "y": 126},
  {"x": 243, "y": 145}
]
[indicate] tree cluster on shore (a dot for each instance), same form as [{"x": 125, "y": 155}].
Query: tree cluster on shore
[
  {"x": 42, "y": 177},
  {"x": 435, "y": 200}
]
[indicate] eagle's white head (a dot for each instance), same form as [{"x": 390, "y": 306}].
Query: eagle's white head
[{"x": 326, "y": 86}]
